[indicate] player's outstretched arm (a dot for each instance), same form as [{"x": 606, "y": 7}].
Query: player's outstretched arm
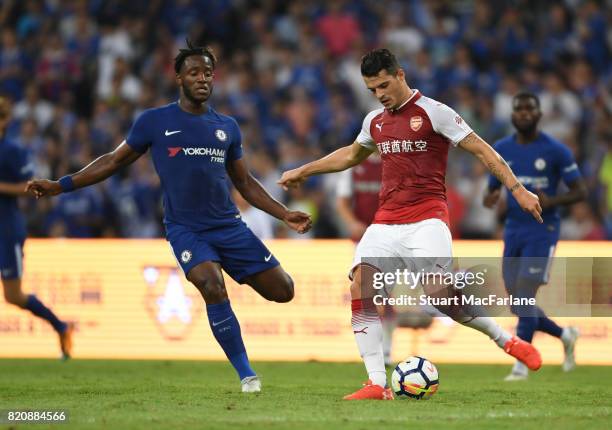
[
  {"x": 498, "y": 167},
  {"x": 13, "y": 189},
  {"x": 340, "y": 159},
  {"x": 254, "y": 193},
  {"x": 96, "y": 171}
]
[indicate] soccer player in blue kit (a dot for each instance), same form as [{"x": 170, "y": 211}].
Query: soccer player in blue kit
[
  {"x": 194, "y": 149},
  {"x": 15, "y": 169},
  {"x": 539, "y": 162}
]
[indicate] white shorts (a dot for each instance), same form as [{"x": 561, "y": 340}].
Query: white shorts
[{"x": 418, "y": 246}]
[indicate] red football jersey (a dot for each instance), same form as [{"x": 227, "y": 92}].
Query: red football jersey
[{"x": 413, "y": 142}]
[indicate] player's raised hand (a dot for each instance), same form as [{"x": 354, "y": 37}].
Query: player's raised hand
[
  {"x": 529, "y": 202},
  {"x": 291, "y": 179},
  {"x": 298, "y": 221},
  {"x": 43, "y": 187}
]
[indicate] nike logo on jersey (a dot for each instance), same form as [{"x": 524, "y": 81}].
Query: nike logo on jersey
[
  {"x": 268, "y": 257},
  {"x": 170, "y": 133},
  {"x": 363, "y": 331},
  {"x": 215, "y": 324}
]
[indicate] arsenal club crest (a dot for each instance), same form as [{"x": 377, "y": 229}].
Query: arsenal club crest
[{"x": 416, "y": 122}]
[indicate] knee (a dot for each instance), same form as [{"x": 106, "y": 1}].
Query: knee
[
  {"x": 212, "y": 290},
  {"x": 16, "y": 298},
  {"x": 363, "y": 283},
  {"x": 524, "y": 311},
  {"x": 356, "y": 285},
  {"x": 355, "y": 290},
  {"x": 286, "y": 290}
]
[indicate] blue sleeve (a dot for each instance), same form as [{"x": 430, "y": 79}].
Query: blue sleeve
[
  {"x": 24, "y": 169},
  {"x": 139, "y": 136},
  {"x": 567, "y": 165},
  {"x": 234, "y": 151},
  {"x": 493, "y": 181}
]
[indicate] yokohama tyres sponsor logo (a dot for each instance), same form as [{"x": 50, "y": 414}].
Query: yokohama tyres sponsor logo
[{"x": 215, "y": 152}]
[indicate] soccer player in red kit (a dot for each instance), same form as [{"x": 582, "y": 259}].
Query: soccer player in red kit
[
  {"x": 357, "y": 202},
  {"x": 413, "y": 134}
]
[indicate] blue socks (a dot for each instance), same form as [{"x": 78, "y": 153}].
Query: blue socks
[
  {"x": 528, "y": 325},
  {"x": 226, "y": 330},
  {"x": 547, "y": 325},
  {"x": 37, "y": 308},
  {"x": 526, "y": 328},
  {"x": 532, "y": 318}
]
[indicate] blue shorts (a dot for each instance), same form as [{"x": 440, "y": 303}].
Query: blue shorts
[
  {"x": 528, "y": 257},
  {"x": 11, "y": 257},
  {"x": 236, "y": 248}
]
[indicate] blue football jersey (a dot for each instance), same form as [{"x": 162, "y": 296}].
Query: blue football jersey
[
  {"x": 538, "y": 165},
  {"x": 190, "y": 153},
  {"x": 15, "y": 167}
]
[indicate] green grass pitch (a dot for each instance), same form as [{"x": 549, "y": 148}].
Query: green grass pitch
[{"x": 205, "y": 395}]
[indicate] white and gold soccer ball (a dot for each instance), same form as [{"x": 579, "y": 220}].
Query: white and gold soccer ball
[{"x": 415, "y": 378}]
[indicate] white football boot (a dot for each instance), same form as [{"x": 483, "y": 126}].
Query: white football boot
[
  {"x": 519, "y": 373},
  {"x": 251, "y": 384},
  {"x": 569, "y": 337}
]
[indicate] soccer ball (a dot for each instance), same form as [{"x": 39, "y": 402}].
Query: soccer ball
[{"x": 415, "y": 378}]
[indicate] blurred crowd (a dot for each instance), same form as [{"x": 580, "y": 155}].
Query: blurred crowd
[{"x": 79, "y": 71}]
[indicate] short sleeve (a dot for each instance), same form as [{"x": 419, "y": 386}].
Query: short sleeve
[
  {"x": 234, "y": 151},
  {"x": 567, "y": 165},
  {"x": 139, "y": 137},
  {"x": 365, "y": 137},
  {"x": 445, "y": 121},
  {"x": 344, "y": 186}
]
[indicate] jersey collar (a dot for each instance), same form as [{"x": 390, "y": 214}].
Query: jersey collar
[
  {"x": 208, "y": 110},
  {"x": 536, "y": 140},
  {"x": 411, "y": 100}
]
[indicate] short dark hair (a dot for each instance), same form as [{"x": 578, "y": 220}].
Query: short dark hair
[
  {"x": 193, "y": 50},
  {"x": 526, "y": 95},
  {"x": 379, "y": 59}
]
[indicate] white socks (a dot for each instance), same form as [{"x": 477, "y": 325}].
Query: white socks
[
  {"x": 519, "y": 368},
  {"x": 388, "y": 326},
  {"x": 488, "y": 326},
  {"x": 368, "y": 332},
  {"x": 566, "y": 335}
]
